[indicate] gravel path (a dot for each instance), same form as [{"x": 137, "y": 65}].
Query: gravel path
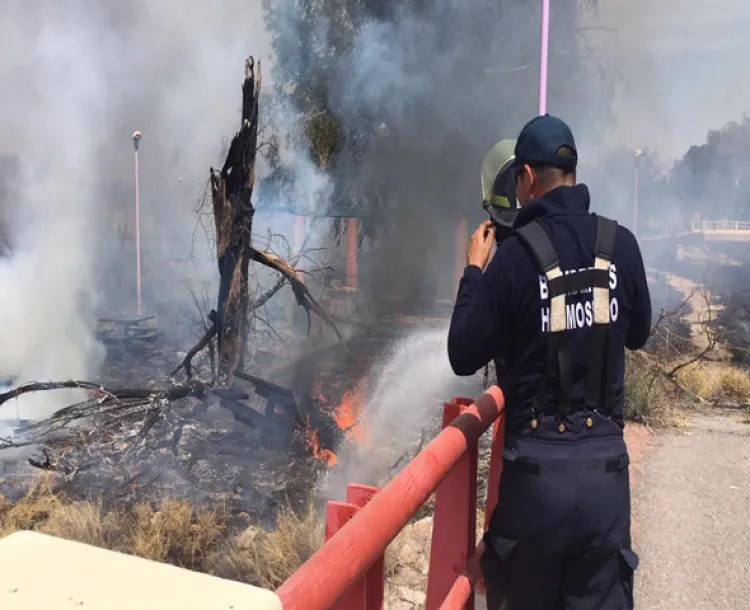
[{"x": 691, "y": 515}]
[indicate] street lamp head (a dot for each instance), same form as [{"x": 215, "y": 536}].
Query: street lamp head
[
  {"x": 638, "y": 152},
  {"x": 136, "y": 139}
]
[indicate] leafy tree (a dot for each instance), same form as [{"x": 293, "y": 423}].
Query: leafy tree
[{"x": 710, "y": 179}]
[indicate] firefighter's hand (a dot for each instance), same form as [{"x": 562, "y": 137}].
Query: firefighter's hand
[{"x": 480, "y": 245}]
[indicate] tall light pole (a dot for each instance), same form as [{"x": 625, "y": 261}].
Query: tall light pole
[
  {"x": 136, "y": 141},
  {"x": 544, "y": 58},
  {"x": 638, "y": 153}
]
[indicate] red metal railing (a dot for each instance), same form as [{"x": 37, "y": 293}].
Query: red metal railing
[{"x": 346, "y": 573}]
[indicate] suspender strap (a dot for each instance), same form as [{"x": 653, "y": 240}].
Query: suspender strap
[
  {"x": 599, "y": 384},
  {"x": 558, "y": 351}
]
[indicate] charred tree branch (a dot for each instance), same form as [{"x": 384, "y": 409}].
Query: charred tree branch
[
  {"x": 202, "y": 344},
  {"x": 301, "y": 292}
]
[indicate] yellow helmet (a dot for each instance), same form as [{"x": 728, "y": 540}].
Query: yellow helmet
[
  {"x": 498, "y": 181},
  {"x": 499, "y": 187}
]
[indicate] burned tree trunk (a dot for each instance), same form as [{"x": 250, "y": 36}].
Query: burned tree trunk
[{"x": 231, "y": 192}]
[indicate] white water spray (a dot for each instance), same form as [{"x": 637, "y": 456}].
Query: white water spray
[{"x": 412, "y": 381}]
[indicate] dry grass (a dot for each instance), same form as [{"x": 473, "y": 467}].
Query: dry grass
[
  {"x": 648, "y": 398},
  {"x": 267, "y": 559},
  {"x": 716, "y": 381},
  {"x": 175, "y": 532},
  {"x": 651, "y": 399}
]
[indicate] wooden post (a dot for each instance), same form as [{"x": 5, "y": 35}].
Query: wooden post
[
  {"x": 462, "y": 244},
  {"x": 352, "y": 230},
  {"x": 454, "y": 526}
]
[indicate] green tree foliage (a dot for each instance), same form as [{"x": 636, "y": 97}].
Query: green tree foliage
[{"x": 711, "y": 179}]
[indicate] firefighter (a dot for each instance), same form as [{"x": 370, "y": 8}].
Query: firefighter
[{"x": 561, "y": 299}]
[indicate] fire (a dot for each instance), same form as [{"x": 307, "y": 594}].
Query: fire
[
  {"x": 324, "y": 455},
  {"x": 347, "y": 416}
]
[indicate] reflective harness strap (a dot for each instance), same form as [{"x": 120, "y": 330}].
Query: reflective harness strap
[
  {"x": 558, "y": 348},
  {"x": 599, "y": 387},
  {"x": 600, "y": 383}
]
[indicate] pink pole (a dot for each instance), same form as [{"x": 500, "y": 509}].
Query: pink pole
[
  {"x": 543, "y": 61},
  {"x": 136, "y": 140}
]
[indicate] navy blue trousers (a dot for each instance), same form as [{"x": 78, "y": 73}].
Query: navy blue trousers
[{"x": 559, "y": 538}]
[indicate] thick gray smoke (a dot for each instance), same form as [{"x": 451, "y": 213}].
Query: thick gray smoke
[
  {"x": 676, "y": 64},
  {"x": 77, "y": 78},
  {"x": 53, "y": 97},
  {"x": 427, "y": 88},
  {"x": 423, "y": 90}
]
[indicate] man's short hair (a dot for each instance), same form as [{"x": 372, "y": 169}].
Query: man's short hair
[
  {"x": 549, "y": 174},
  {"x": 546, "y": 141}
]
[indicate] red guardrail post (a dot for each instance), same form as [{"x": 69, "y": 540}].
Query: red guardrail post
[
  {"x": 360, "y": 495},
  {"x": 347, "y": 556},
  {"x": 339, "y": 514},
  {"x": 454, "y": 525},
  {"x": 460, "y": 596}
]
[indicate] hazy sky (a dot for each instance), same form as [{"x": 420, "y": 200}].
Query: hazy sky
[{"x": 684, "y": 68}]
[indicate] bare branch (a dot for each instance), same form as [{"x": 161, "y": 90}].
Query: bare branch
[{"x": 301, "y": 291}]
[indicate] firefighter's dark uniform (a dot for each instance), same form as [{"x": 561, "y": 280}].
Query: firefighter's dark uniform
[{"x": 561, "y": 299}]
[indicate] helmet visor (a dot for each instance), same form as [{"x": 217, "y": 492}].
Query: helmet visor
[{"x": 503, "y": 193}]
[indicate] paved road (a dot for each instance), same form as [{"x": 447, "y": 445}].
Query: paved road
[
  {"x": 691, "y": 511},
  {"x": 691, "y": 516}
]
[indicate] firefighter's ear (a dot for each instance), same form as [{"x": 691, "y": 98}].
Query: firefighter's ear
[
  {"x": 525, "y": 183},
  {"x": 530, "y": 177}
]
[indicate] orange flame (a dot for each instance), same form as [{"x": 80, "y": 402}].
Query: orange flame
[
  {"x": 348, "y": 415},
  {"x": 324, "y": 455}
]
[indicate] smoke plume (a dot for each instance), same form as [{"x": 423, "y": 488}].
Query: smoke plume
[
  {"x": 421, "y": 91},
  {"x": 77, "y": 78}
]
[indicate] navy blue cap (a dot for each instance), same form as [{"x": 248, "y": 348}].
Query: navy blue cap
[{"x": 539, "y": 141}]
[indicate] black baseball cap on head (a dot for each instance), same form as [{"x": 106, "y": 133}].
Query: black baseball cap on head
[{"x": 541, "y": 139}]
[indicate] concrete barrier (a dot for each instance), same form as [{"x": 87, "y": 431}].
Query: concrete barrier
[{"x": 39, "y": 572}]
